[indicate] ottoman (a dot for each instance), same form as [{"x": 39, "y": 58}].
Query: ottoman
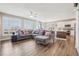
[{"x": 42, "y": 40}]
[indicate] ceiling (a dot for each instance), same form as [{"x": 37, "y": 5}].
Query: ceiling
[{"x": 45, "y": 12}]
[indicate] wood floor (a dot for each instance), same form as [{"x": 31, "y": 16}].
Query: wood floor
[{"x": 30, "y": 48}]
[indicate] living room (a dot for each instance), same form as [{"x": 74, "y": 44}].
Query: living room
[{"x": 38, "y": 29}]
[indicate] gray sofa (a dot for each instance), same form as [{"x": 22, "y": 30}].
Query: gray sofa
[
  {"x": 15, "y": 38},
  {"x": 31, "y": 34}
]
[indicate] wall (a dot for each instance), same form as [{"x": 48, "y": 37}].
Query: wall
[
  {"x": 58, "y": 24},
  {"x": 0, "y": 25},
  {"x": 77, "y": 29}
]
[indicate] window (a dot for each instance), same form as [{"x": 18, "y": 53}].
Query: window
[
  {"x": 28, "y": 24},
  {"x": 10, "y": 24}
]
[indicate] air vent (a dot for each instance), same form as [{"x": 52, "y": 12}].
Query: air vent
[{"x": 75, "y": 4}]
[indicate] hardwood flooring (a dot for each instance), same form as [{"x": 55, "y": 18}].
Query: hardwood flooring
[{"x": 30, "y": 48}]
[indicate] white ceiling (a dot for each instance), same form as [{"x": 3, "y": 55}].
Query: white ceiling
[{"x": 45, "y": 12}]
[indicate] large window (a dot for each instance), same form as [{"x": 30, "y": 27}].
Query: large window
[
  {"x": 28, "y": 24},
  {"x": 10, "y": 24}
]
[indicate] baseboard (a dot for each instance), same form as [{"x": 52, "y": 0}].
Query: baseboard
[{"x": 3, "y": 39}]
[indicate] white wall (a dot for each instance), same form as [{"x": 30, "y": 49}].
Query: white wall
[
  {"x": 77, "y": 29},
  {"x": 58, "y": 24},
  {"x": 0, "y": 26}
]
